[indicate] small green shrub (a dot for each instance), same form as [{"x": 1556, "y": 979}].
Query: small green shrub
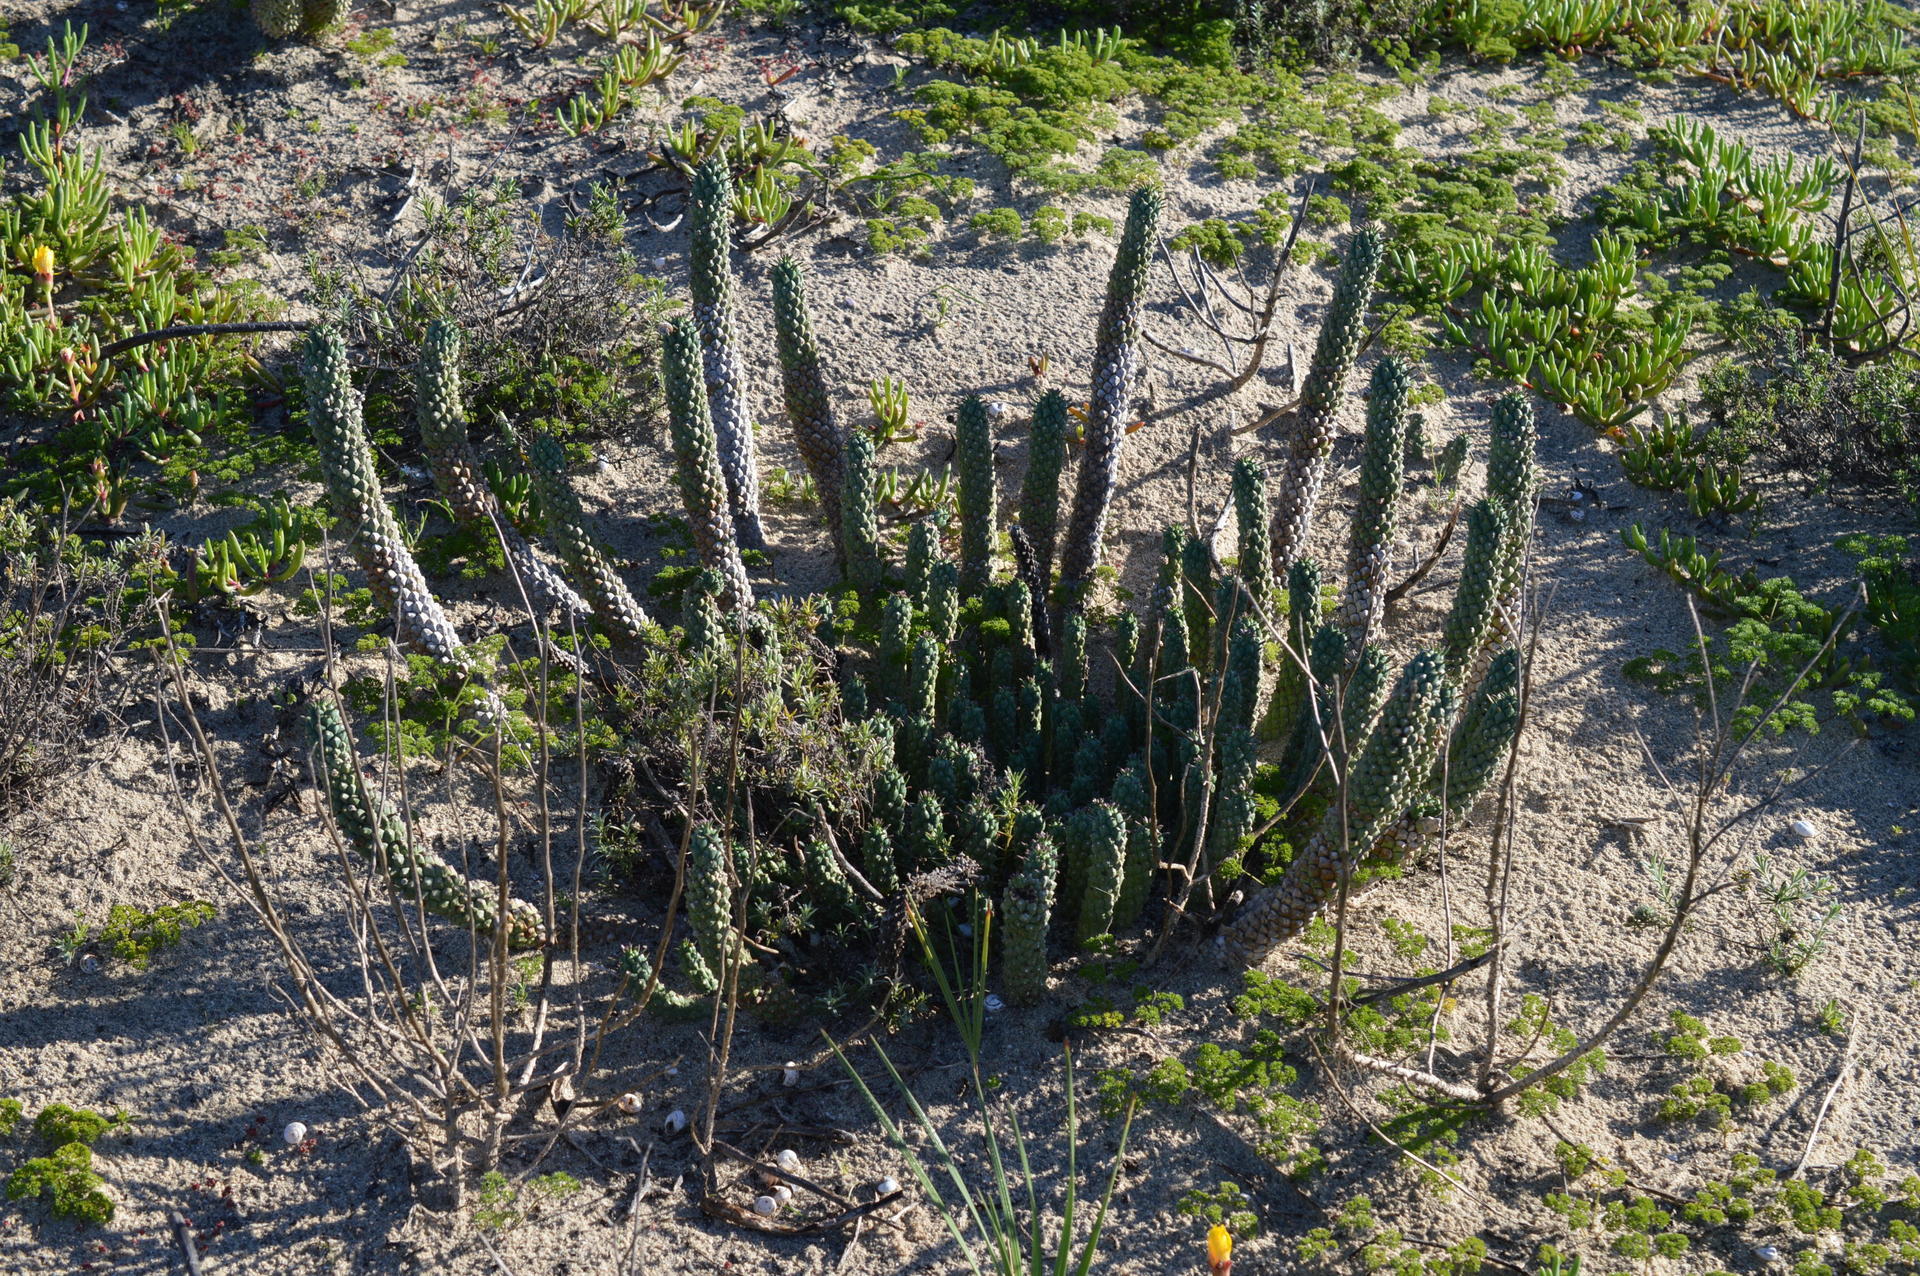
[
  {"x": 134, "y": 935},
  {"x": 59, "y": 1124},
  {"x": 68, "y": 1179}
]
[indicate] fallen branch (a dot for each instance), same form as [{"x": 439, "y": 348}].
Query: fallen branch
[
  {"x": 201, "y": 330},
  {"x": 1820, "y": 1117}
]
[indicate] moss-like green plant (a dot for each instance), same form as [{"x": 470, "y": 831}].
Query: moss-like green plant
[
  {"x": 67, "y": 1178},
  {"x": 135, "y": 934}
]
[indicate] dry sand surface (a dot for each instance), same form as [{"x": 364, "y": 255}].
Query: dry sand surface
[{"x": 203, "y": 1049}]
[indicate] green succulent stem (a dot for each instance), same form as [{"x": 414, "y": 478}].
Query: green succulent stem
[
  {"x": 1115, "y": 367},
  {"x": 809, "y": 408},
  {"x": 440, "y": 411},
  {"x": 418, "y": 877},
  {"x": 703, "y": 486},
  {"x": 1311, "y": 444}
]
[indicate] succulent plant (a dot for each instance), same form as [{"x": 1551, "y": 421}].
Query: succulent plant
[
  {"x": 973, "y": 459},
  {"x": 1115, "y": 366},
  {"x": 1040, "y": 488},
  {"x": 709, "y": 895},
  {"x": 809, "y": 408},
  {"x": 441, "y": 415},
  {"x": 923, "y": 550},
  {"x": 860, "y": 515},
  {"x": 278, "y": 19},
  {"x": 1385, "y": 780},
  {"x": 1320, "y": 398},
  {"x": 1255, "y": 565},
  {"x": 1376, "y": 520},
  {"x": 710, "y": 280},
  {"x": 1100, "y": 836},
  {"x": 353, "y": 485},
  {"x": 696, "y": 455},
  {"x": 1026, "y": 908},
  {"x": 417, "y": 876},
  {"x": 613, "y": 603},
  {"x": 1470, "y": 621}
]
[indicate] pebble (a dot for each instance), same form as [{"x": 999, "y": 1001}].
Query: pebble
[
  {"x": 1804, "y": 830},
  {"x": 294, "y": 1135}
]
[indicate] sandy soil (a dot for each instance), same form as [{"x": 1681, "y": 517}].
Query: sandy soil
[{"x": 204, "y": 1052}]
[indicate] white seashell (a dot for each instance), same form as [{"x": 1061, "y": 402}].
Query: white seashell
[
  {"x": 659, "y": 263},
  {"x": 994, "y": 1003},
  {"x": 790, "y": 1073},
  {"x": 1804, "y": 830},
  {"x": 996, "y": 409},
  {"x": 783, "y": 1194},
  {"x": 673, "y": 1070},
  {"x": 788, "y": 1160},
  {"x": 887, "y": 1186},
  {"x": 602, "y": 465},
  {"x": 1767, "y": 1253},
  {"x": 676, "y": 1121},
  {"x": 630, "y": 1103},
  {"x": 765, "y": 1205},
  {"x": 294, "y": 1135}
]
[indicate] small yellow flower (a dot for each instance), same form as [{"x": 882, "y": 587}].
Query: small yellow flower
[
  {"x": 1219, "y": 1250},
  {"x": 43, "y": 263}
]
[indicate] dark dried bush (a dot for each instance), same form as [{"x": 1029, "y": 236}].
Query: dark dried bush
[
  {"x": 1801, "y": 408},
  {"x": 67, "y": 610},
  {"x": 560, "y": 323}
]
